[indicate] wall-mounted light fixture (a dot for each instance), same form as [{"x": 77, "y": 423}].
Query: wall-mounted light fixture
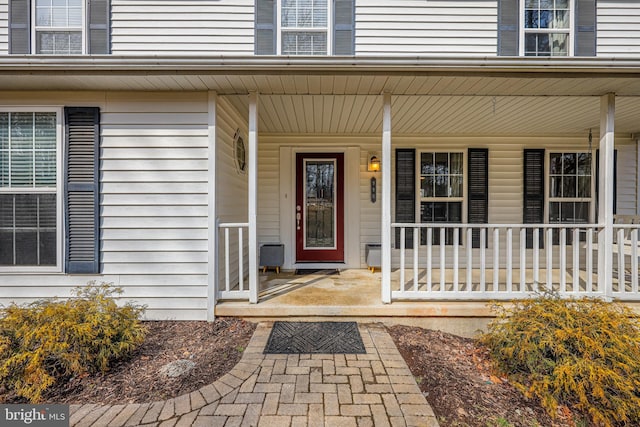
[{"x": 374, "y": 164}]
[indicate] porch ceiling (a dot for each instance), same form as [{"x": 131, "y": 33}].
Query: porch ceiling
[{"x": 439, "y": 114}]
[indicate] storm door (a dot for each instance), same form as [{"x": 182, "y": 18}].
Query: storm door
[{"x": 319, "y": 215}]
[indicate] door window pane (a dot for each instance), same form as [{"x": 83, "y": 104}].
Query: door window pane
[{"x": 320, "y": 204}]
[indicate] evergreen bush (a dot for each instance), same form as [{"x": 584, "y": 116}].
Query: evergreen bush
[
  {"x": 582, "y": 353},
  {"x": 50, "y": 340}
]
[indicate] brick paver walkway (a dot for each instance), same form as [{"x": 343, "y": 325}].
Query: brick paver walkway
[{"x": 273, "y": 390}]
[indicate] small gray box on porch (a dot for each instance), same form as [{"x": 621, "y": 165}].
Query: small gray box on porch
[
  {"x": 272, "y": 255},
  {"x": 373, "y": 255}
]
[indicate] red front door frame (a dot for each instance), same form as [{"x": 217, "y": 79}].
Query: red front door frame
[{"x": 335, "y": 254}]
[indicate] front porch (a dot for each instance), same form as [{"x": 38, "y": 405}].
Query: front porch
[{"x": 491, "y": 248}]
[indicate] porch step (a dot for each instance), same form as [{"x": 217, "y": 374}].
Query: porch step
[{"x": 460, "y": 318}]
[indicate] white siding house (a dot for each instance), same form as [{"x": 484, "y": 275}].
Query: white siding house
[{"x": 156, "y": 144}]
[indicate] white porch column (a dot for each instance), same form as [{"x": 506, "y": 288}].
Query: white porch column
[
  {"x": 386, "y": 199},
  {"x": 252, "y": 156},
  {"x": 212, "y": 222},
  {"x": 605, "y": 204}
]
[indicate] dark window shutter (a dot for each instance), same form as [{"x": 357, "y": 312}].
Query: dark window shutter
[
  {"x": 508, "y": 27},
  {"x": 81, "y": 196},
  {"x": 405, "y": 192},
  {"x": 615, "y": 181},
  {"x": 99, "y": 13},
  {"x": 19, "y": 26},
  {"x": 533, "y": 206},
  {"x": 265, "y": 43},
  {"x": 585, "y": 32},
  {"x": 478, "y": 190},
  {"x": 343, "y": 27}
]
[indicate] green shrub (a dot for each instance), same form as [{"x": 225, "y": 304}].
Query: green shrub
[
  {"x": 581, "y": 353},
  {"x": 50, "y": 340}
]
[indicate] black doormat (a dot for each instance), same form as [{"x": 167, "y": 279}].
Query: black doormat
[
  {"x": 325, "y": 271},
  {"x": 315, "y": 338}
]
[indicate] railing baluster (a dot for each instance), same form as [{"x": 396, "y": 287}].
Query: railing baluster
[
  {"x": 576, "y": 260},
  {"x": 483, "y": 244},
  {"x": 549, "y": 250},
  {"x": 634, "y": 261},
  {"x": 416, "y": 245},
  {"x": 240, "y": 260},
  {"x": 621, "y": 257},
  {"x": 589, "y": 258},
  {"x": 402, "y": 251},
  {"x": 456, "y": 239},
  {"x": 226, "y": 260},
  {"x": 429, "y": 255},
  {"x": 536, "y": 258},
  {"x": 509, "y": 259},
  {"x": 469, "y": 260},
  {"x": 523, "y": 259},
  {"x": 442, "y": 258},
  {"x": 496, "y": 259},
  {"x": 563, "y": 261}
]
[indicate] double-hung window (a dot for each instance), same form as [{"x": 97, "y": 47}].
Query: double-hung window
[
  {"x": 441, "y": 191},
  {"x": 555, "y": 28},
  {"x": 570, "y": 187},
  {"x": 547, "y": 27},
  {"x": 30, "y": 232},
  {"x": 304, "y": 27},
  {"x": 59, "y": 26}
]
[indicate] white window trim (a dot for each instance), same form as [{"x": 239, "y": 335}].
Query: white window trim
[
  {"x": 463, "y": 199},
  {"x": 547, "y": 197},
  {"x": 58, "y": 189},
  {"x": 329, "y": 29},
  {"x": 35, "y": 29},
  {"x": 570, "y": 31}
]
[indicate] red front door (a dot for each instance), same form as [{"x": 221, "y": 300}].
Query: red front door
[{"x": 319, "y": 207}]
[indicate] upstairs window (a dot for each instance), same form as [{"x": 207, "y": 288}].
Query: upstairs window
[
  {"x": 59, "y": 27},
  {"x": 304, "y": 27},
  {"x": 547, "y": 27}
]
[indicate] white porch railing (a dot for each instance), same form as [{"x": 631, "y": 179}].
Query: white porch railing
[
  {"x": 235, "y": 284},
  {"x": 561, "y": 257},
  {"x": 625, "y": 253}
]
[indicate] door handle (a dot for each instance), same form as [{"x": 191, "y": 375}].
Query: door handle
[{"x": 298, "y": 217}]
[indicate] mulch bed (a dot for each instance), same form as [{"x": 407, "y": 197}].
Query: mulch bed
[
  {"x": 214, "y": 347},
  {"x": 455, "y": 376}
]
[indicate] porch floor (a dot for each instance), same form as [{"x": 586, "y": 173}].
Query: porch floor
[
  {"x": 357, "y": 293},
  {"x": 350, "y": 293}
]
